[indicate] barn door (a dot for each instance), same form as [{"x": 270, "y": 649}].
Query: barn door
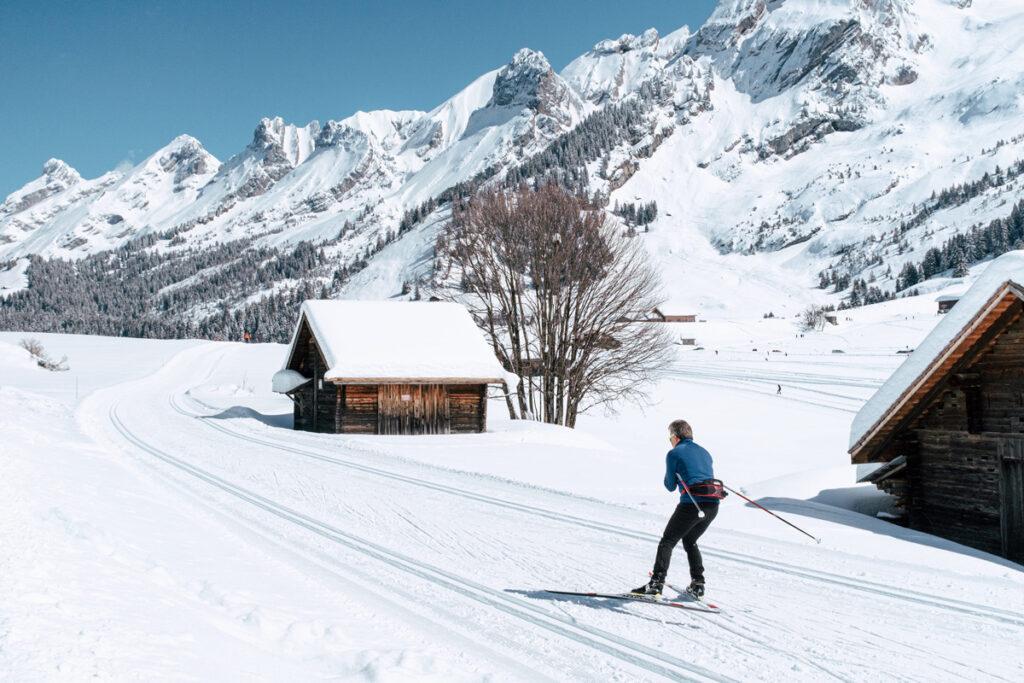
[
  {"x": 1011, "y": 485},
  {"x": 412, "y": 409}
]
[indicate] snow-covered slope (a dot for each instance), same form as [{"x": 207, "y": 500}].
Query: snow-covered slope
[
  {"x": 783, "y": 137},
  {"x": 828, "y": 125},
  {"x": 160, "y": 519}
]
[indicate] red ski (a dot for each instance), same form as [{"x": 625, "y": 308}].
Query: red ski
[{"x": 695, "y": 606}]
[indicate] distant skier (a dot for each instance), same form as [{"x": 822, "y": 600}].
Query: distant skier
[
  {"x": 778, "y": 392},
  {"x": 694, "y": 513}
]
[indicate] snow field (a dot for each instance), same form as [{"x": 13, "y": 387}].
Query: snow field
[{"x": 172, "y": 524}]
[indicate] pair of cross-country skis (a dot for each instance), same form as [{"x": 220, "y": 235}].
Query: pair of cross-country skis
[{"x": 687, "y": 601}]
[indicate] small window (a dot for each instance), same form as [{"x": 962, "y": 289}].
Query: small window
[
  {"x": 974, "y": 405},
  {"x": 319, "y": 384}
]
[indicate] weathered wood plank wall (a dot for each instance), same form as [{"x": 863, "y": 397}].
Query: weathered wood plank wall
[{"x": 953, "y": 484}]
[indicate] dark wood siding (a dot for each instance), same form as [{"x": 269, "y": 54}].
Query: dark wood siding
[
  {"x": 358, "y": 409},
  {"x": 1011, "y": 493},
  {"x": 313, "y": 410},
  {"x": 957, "y": 482},
  {"x": 468, "y": 407},
  {"x": 412, "y": 409}
]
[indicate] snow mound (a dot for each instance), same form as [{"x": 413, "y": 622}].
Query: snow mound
[{"x": 15, "y": 358}]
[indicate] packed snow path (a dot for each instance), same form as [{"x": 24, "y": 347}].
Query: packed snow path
[{"x": 470, "y": 554}]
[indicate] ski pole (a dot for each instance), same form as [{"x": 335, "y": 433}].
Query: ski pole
[
  {"x": 700, "y": 513},
  {"x": 816, "y": 540}
]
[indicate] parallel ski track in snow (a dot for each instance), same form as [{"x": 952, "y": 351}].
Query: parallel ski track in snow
[
  {"x": 948, "y": 604},
  {"x": 774, "y": 375},
  {"x": 748, "y": 385},
  {"x": 623, "y": 649}
]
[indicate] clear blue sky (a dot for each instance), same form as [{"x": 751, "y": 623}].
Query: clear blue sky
[{"x": 97, "y": 82}]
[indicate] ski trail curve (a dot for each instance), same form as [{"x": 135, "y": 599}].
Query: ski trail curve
[
  {"x": 985, "y": 612},
  {"x": 610, "y": 644}
]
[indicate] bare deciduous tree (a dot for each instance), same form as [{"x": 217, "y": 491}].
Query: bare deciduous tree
[
  {"x": 812, "y": 318},
  {"x": 42, "y": 359},
  {"x": 556, "y": 287}
]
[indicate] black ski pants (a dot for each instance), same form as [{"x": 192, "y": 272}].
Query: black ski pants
[{"x": 684, "y": 525}]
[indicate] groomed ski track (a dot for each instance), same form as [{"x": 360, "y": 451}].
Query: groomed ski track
[
  {"x": 987, "y": 612},
  {"x": 390, "y": 519},
  {"x": 653, "y": 661}
]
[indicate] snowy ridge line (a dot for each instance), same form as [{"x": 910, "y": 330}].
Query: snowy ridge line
[
  {"x": 610, "y": 644},
  {"x": 950, "y": 604}
]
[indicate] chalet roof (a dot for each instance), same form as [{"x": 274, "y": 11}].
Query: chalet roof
[
  {"x": 676, "y": 307},
  {"x": 1000, "y": 284},
  {"x": 387, "y": 341},
  {"x": 948, "y": 297}
]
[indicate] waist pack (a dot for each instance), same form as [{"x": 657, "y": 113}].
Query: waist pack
[{"x": 709, "y": 488}]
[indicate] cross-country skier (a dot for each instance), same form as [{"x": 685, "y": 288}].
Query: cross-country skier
[{"x": 692, "y": 464}]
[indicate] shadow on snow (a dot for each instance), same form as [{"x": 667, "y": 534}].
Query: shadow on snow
[
  {"x": 602, "y": 604},
  {"x": 837, "y": 515}
]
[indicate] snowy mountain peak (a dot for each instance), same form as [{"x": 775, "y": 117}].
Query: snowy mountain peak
[
  {"x": 627, "y": 42},
  {"x": 291, "y": 143},
  {"x": 57, "y": 170},
  {"x": 528, "y": 81},
  {"x": 57, "y": 177},
  {"x": 186, "y": 159},
  {"x": 522, "y": 81},
  {"x": 616, "y": 68}
]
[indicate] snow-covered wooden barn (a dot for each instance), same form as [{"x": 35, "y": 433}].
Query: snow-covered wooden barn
[
  {"x": 373, "y": 367},
  {"x": 949, "y": 423},
  {"x": 946, "y": 302},
  {"x": 672, "y": 312}
]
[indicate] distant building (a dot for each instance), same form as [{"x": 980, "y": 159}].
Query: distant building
[
  {"x": 949, "y": 423},
  {"x": 831, "y": 318},
  {"x": 372, "y": 367},
  {"x": 947, "y": 301},
  {"x": 687, "y": 341},
  {"x": 671, "y": 312}
]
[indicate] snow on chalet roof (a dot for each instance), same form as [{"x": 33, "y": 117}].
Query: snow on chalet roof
[
  {"x": 676, "y": 307},
  {"x": 400, "y": 340},
  {"x": 1007, "y": 269}
]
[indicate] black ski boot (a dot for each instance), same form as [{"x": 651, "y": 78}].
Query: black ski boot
[
  {"x": 695, "y": 590},
  {"x": 652, "y": 588}
]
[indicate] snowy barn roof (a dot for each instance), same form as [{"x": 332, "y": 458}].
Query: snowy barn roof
[
  {"x": 992, "y": 293},
  {"x": 676, "y": 306},
  {"x": 398, "y": 341}
]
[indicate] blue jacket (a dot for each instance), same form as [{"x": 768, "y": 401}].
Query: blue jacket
[{"x": 693, "y": 464}]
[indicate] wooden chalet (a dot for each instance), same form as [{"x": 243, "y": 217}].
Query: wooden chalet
[
  {"x": 664, "y": 314},
  {"x": 949, "y": 423},
  {"x": 668, "y": 312},
  {"x": 371, "y": 367},
  {"x": 946, "y": 302}
]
